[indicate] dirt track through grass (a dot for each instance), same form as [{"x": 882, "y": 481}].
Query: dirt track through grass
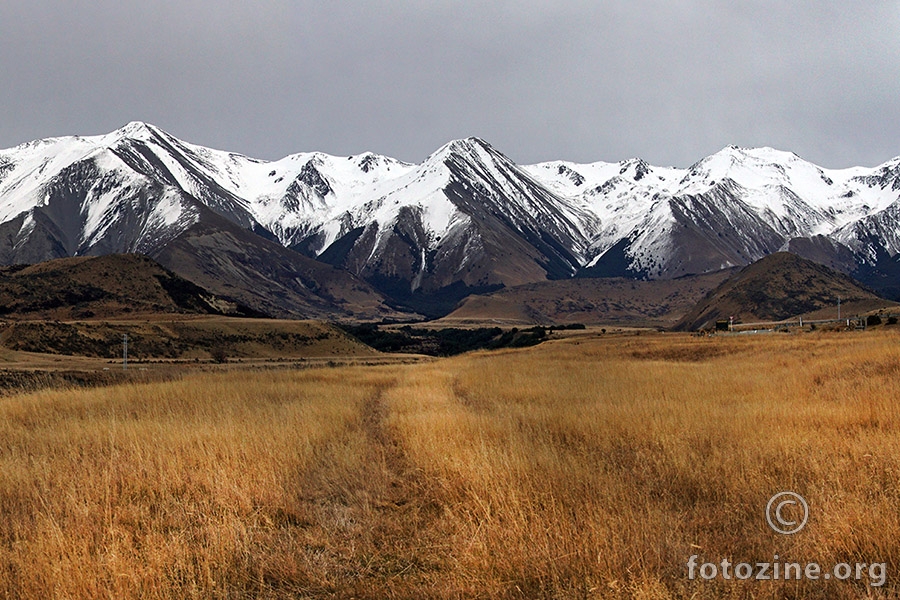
[{"x": 369, "y": 515}]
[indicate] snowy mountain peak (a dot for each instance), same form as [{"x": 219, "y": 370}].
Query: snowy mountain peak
[
  {"x": 136, "y": 130},
  {"x": 469, "y": 142},
  {"x": 569, "y": 173},
  {"x": 469, "y": 147},
  {"x": 636, "y": 168},
  {"x": 368, "y": 162},
  {"x": 761, "y": 155}
]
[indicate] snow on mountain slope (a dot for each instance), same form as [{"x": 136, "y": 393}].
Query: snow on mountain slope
[
  {"x": 760, "y": 198},
  {"x": 80, "y": 195},
  {"x": 289, "y": 197},
  {"x": 466, "y": 215},
  {"x": 466, "y": 219},
  {"x": 27, "y": 168},
  {"x": 505, "y": 187}
]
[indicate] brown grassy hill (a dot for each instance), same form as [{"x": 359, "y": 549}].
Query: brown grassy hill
[
  {"x": 781, "y": 286},
  {"x": 102, "y": 287},
  {"x": 590, "y": 301}
]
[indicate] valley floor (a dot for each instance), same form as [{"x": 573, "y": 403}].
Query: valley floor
[{"x": 592, "y": 466}]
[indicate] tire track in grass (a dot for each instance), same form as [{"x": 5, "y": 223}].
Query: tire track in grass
[{"x": 363, "y": 523}]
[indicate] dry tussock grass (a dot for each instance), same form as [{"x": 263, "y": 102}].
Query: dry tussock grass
[{"x": 578, "y": 469}]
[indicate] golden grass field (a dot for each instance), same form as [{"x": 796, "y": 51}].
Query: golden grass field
[{"x": 589, "y": 467}]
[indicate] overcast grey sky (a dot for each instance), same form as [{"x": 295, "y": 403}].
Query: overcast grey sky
[{"x": 667, "y": 81}]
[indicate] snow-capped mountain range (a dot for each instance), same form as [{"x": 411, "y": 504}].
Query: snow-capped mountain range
[{"x": 466, "y": 219}]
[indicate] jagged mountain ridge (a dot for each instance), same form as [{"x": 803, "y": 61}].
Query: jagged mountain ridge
[{"x": 465, "y": 219}]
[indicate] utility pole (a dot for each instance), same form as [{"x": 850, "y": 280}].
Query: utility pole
[
  {"x": 839, "y": 308},
  {"x": 125, "y": 351}
]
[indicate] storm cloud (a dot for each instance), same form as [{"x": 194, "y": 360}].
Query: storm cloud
[{"x": 666, "y": 81}]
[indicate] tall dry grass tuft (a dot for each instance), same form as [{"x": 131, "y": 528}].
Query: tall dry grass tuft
[{"x": 584, "y": 468}]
